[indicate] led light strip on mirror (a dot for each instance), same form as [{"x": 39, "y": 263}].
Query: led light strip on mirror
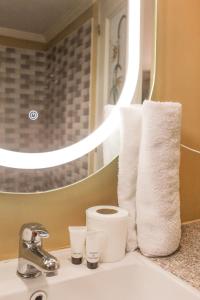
[{"x": 42, "y": 160}]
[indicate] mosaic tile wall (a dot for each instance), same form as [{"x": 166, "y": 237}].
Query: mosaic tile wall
[
  {"x": 22, "y": 88},
  {"x": 56, "y": 84},
  {"x": 68, "y": 71}
]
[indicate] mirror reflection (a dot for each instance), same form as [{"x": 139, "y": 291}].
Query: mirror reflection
[{"x": 62, "y": 67}]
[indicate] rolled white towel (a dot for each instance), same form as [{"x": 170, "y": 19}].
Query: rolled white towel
[
  {"x": 130, "y": 133},
  {"x": 158, "y": 203}
]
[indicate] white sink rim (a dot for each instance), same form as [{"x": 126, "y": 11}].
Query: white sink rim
[{"x": 8, "y": 277}]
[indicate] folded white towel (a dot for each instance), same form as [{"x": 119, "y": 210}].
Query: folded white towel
[
  {"x": 158, "y": 207},
  {"x": 130, "y": 133}
]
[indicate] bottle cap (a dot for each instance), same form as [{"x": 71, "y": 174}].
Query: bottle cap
[
  {"x": 76, "y": 261},
  {"x": 91, "y": 265}
]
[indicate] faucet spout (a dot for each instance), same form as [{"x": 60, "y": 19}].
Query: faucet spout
[{"x": 33, "y": 259}]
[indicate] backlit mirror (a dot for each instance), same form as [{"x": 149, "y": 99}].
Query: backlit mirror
[{"x": 62, "y": 68}]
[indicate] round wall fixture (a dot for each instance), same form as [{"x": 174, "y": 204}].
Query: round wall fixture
[{"x": 33, "y": 115}]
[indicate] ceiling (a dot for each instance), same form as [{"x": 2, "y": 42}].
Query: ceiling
[{"x": 39, "y": 16}]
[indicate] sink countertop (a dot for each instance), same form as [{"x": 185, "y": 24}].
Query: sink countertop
[{"x": 185, "y": 262}]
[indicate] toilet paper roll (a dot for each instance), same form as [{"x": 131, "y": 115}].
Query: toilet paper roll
[{"x": 113, "y": 222}]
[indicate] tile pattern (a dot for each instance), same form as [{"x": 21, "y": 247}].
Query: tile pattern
[
  {"x": 68, "y": 72},
  {"x": 22, "y": 88},
  {"x": 56, "y": 84},
  {"x": 13, "y": 180}
]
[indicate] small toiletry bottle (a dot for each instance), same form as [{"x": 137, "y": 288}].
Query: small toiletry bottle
[
  {"x": 77, "y": 242},
  {"x": 93, "y": 242}
]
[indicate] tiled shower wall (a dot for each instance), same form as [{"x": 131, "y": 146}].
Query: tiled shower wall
[
  {"x": 56, "y": 84},
  {"x": 68, "y": 77}
]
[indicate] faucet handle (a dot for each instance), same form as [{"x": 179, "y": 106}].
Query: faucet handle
[{"x": 33, "y": 232}]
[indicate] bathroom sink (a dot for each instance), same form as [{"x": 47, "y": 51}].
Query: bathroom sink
[{"x": 133, "y": 278}]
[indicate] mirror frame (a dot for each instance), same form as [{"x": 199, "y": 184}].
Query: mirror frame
[{"x": 20, "y": 160}]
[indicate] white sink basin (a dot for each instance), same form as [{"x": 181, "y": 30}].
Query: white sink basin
[{"x": 133, "y": 278}]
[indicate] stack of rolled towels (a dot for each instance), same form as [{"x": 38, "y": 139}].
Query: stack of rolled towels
[{"x": 148, "y": 179}]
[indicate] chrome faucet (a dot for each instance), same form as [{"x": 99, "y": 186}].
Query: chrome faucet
[{"x": 33, "y": 260}]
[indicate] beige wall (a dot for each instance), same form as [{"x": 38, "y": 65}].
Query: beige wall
[{"x": 177, "y": 79}]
